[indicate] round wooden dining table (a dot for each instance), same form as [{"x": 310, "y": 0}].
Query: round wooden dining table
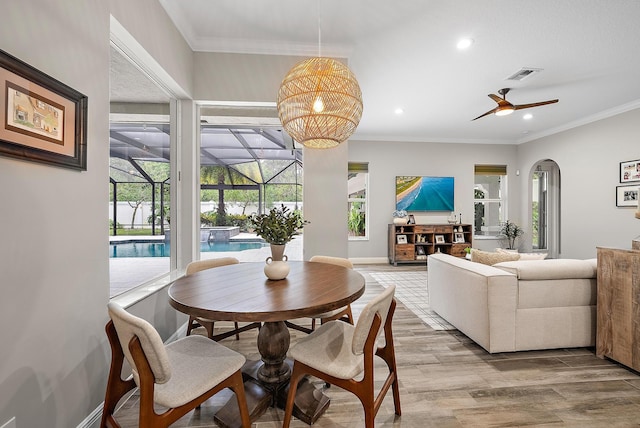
[{"x": 242, "y": 292}]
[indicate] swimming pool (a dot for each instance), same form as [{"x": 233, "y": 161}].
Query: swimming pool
[{"x": 160, "y": 249}]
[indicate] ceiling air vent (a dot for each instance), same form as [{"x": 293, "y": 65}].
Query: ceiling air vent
[{"x": 523, "y": 73}]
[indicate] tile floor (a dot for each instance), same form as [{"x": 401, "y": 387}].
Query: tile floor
[{"x": 412, "y": 291}]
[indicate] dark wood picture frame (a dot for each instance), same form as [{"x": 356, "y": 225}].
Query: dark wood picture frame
[{"x": 41, "y": 119}]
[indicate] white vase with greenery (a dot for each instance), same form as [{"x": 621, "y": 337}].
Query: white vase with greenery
[{"x": 277, "y": 227}]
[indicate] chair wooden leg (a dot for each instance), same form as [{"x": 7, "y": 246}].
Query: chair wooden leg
[
  {"x": 296, "y": 375},
  {"x": 193, "y": 323},
  {"x": 116, "y": 386},
  {"x": 235, "y": 325},
  {"x": 209, "y": 327},
  {"x": 237, "y": 386},
  {"x": 388, "y": 354}
]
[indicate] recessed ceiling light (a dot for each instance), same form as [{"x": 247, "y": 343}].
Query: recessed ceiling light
[
  {"x": 398, "y": 111},
  {"x": 527, "y": 116},
  {"x": 464, "y": 43}
]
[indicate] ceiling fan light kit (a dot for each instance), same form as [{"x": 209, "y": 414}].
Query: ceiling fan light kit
[
  {"x": 503, "y": 111},
  {"x": 505, "y": 107}
]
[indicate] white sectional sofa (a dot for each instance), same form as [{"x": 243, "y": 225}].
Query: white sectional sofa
[{"x": 516, "y": 305}]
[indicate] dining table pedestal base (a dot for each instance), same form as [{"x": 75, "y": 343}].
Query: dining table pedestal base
[{"x": 310, "y": 402}]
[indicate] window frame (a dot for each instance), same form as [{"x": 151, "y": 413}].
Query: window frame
[{"x": 501, "y": 200}]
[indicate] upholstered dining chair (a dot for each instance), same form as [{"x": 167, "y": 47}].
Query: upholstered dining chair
[
  {"x": 343, "y": 313},
  {"x": 179, "y": 376},
  {"x": 340, "y": 353},
  {"x": 208, "y": 324}
]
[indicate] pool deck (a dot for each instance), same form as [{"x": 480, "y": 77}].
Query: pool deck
[{"x": 128, "y": 272}]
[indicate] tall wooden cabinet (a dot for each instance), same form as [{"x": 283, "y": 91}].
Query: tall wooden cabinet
[
  {"x": 412, "y": 243},
  {"x": 618, "y": 307}
]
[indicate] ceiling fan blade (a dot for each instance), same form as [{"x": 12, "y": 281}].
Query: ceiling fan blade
[
  {"x": 542, "y": 103},
  {"x": 496, "y": 98},
  {"x": 485, "y": 114}
]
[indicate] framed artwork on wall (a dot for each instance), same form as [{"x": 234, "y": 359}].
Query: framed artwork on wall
[
  {"x": 630, "y": 171},
  {"x": 627, "y": 196},
  {"x": 41, "y": 119}
]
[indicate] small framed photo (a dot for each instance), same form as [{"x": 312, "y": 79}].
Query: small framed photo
[
  {"x": 627, "y": 196},
  {"x": 412, "y": 219},
  {"x": 439, "y": 239},
  {"x": 402, "y": 239},
  {"x": 420, "y": 250},
  {"x": 458, "y": 237},
  {"x": 630, "y": 171}
]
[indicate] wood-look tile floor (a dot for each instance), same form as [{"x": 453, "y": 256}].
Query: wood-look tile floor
[{"x": 446, "y": 380}]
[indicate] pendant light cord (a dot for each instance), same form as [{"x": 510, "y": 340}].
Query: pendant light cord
[{"x": 319, "y": 33}]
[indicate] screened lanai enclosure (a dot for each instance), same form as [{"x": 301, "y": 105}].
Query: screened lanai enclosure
[{"x": 243, "y": 169}]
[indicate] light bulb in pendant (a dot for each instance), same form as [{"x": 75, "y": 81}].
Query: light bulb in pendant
[{"x": 318, "y": 105}]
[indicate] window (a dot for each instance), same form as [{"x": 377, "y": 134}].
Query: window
[
  {"x": 489, "y": 196},
  {"x": 139, "y": 203},
  {"x": 358, "y": 182}
]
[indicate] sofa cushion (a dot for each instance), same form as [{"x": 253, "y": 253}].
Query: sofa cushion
[
  {"x": 489, "y": 258},
  {"x": 525, "y": 256},
  {"x": 549, "y": 269},
  {"x": 557, "y": 293}
]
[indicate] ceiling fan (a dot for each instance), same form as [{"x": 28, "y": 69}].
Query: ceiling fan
[{"x": 505, "y": 107}]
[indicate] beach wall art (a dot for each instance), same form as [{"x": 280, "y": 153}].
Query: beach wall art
[{"x": 421, "y": 193}]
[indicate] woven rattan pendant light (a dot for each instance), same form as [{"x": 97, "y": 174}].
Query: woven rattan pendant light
[{"x": 319, "y": 102}]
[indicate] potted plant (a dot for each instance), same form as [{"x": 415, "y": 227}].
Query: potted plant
[
  {"x": 277, "y": 227},
  {"x": 511, "y": 232}
]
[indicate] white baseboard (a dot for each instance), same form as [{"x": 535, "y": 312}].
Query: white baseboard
[
  {"x": 368, "y": 260},
  {"x": 93, "y": 420}
]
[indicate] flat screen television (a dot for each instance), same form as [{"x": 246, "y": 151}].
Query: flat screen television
[{"x": 414, "y": 193}]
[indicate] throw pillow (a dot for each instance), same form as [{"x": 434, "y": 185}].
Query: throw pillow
[
  {"x": 533, "y": 256},
  {"x": 489, "y": 258},
  {"x": 525, "y": 256}
]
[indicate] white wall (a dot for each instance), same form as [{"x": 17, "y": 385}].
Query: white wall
[
  {"x": 54, "y": 273},
  {"x": 389, "y": 159},
  {"x": 589, "y": 159},
  {"x": 325, "y": 202},
  {"x": 54, "y": 257}
]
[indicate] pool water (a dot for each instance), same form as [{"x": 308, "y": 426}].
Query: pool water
[{"x": 153, "y": 249}]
